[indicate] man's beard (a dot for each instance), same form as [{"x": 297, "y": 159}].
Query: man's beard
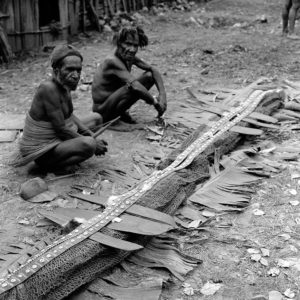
[{"x": 69, "y": 83}]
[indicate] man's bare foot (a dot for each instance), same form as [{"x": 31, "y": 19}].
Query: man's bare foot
[{"x": 126, "y": 118}]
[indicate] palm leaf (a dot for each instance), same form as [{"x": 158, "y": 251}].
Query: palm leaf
[
  {"x": 136, "y": 210},
  {"x": 14, "y": 255},
  {"x": 160, "y": 253},
  {"x": 263, "y": 117},
  {"x": 149, "y": 289},
  {"x": 246, "y": 130},
  {"x": 226, "y": 190},
  {"x": 127, "y": 223}
]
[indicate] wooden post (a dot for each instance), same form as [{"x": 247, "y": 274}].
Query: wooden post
[
  {"x": 72, "y": 16},
  {"x": 110, "y": 7},
  {"x": 17, "y": 27},
  {"x": 124, "y": 6},
  {"x": 63, "y": 14},
  {"x": 83, "y": 14},
  {"x": 92, "y": 14},
  {"x": 97, "y": 7},
  {"x": 5, "y": 49}
]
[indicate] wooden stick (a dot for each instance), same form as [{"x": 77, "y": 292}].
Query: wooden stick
[
  {"x": 65, "y": 176},
  {"x": 220, "y": 106},
  {"x": 104, "y": 126}
]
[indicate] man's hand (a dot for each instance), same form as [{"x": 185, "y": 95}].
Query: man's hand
[
  {"x": 100, "y": 147},
  {"x": 160, "y": 104}
]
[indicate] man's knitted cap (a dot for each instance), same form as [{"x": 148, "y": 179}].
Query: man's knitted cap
[{"x": 62, "y": 51}]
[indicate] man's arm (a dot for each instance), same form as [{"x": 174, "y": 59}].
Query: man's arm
[
  {"x": 118, "y": 69},
  {"x": 53, "y": 110},
  {"x": 158, "y": 81},
  {"x": 82, "y": 129}
]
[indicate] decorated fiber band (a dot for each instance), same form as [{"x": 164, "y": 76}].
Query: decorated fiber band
[{"x": 62, "y": 51}]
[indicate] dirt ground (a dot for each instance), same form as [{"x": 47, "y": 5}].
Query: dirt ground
[{"x": 238, "y": 42}]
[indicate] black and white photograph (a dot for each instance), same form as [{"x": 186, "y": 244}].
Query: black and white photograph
[{"x": 149, "y": 149}]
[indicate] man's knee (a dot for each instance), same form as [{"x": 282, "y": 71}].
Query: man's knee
[
  {"x": 149, "y": 77},
  {"x": 147, "y": 80},
  {"x": 87, "y": 146},
  {"x": 97, "y": 118}
]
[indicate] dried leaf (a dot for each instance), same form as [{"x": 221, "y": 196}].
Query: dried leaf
[
  {"x": 24, "y": 222},
  {"x": 255, "y": 257},
  {"x": 149, "y": 289},
  {"x": 195, "y": 224},
  {"x": 117, "y": 220},
  {"x": 225, "y": 191},
  {"x": 253, "y": 251},
  {"x": 285, "y": 236},
  {"x": 153, "y": 137},
  {"x": 284, "y": 263},
  {"x": 246, "y": 130},
  {"x": 294, "y": 202},
  {"x": 46, "y": 196},
  {"x": 274, "y": 272},
  {"x": 210, "y": 288},
  {"x": 264, "y": 262},
  {"x": 188, "y": 289},
  {"x": 295, "y": 175},
  {"x": 275, "y": 295},
  {"x": 265, "y": 252},
  {"x": 258, "y": 212},
  {"x": 268, "y": 150},
  {"x": 208, "y": 214},
  {"x": 191, "y": 213},
  {"x": 159, "y": 253},
  {"x": 114, "y": 242},
  {"x": 289, "y": 293},
  {"x": 293, "y": 192}
]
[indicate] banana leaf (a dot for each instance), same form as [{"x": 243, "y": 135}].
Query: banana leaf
[
  {"x": 263, "y": 117},
  {"x": 136, "y": 210},
  {"x": 149, "y": 289},
  {"x": 226, "y": 190},
  {"x": 246, "y": 130},
  {"x": 160, "y": 253},
  {"x": 261, "y": 124},
  {"x": 128, "y": 223}
]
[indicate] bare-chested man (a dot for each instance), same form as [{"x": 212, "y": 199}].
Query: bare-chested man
[
  {"x": 115, "y": 89},
  {"x": 289, "y": 13},
  {"x": 53, "y": 136}
]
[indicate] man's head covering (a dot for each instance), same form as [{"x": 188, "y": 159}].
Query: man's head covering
[{"x": 62, "y": 51}]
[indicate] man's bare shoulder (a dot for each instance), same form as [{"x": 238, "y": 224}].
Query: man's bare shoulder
[
  {"x": 113, "y": 62},
  {"x": 47, "y": 86}
]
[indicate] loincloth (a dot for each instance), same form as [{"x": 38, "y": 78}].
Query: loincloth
[{"x": 38, "y": 138}]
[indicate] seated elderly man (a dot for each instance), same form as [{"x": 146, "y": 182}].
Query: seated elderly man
[
  {"x": 53, "y": 136},
  {"x": 115, "y": 89}
]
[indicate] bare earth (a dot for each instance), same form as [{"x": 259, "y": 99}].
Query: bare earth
[{"x": 232, "y": 49}]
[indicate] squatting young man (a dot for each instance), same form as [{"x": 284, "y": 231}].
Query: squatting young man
[
  {"x": 289, "y": 13},
  {"x": 53, "y": 136},
  {"x": 115, "y": 89}
]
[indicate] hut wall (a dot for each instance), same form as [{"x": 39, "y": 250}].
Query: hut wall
[
  {"x": 26, "y": 21},
  {"x": 26, "y": 30}
]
